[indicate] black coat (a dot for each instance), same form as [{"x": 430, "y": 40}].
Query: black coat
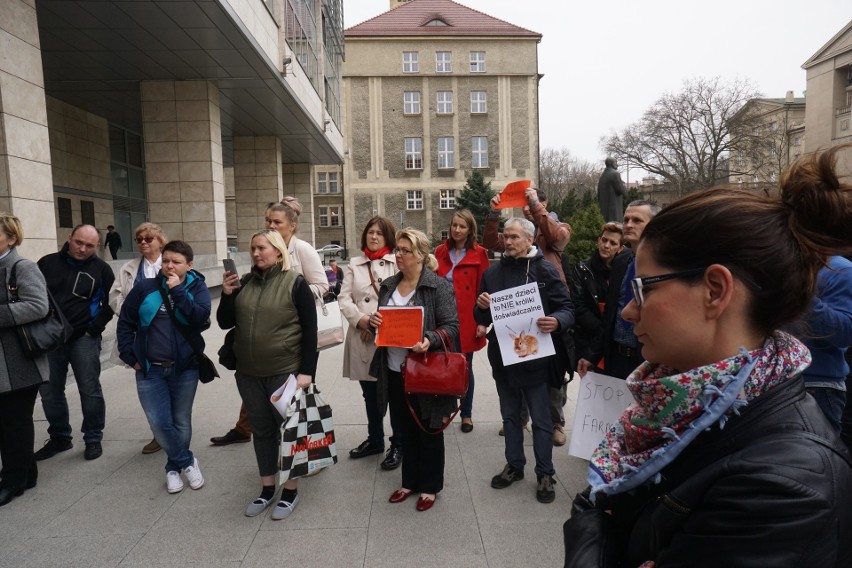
[
  {"x": 771, "y": 489},
  {"x": 589, "y": 284},
  {"x": 603, "y": 344}
]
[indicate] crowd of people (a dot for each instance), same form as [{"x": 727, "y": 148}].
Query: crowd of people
[{"x": 733, "y": 347}]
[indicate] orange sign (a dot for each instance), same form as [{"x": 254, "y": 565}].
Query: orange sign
[
  {"x": 513, "y": 194},
  {"x": 401, "y": 327}
]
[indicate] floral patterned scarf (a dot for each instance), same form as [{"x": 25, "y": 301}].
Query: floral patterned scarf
[{"x": 672, "y": 408}]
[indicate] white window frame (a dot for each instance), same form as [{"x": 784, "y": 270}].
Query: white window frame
[
  {"x": 478, "y": 102},
  {"x": 330, "y": 216},
  {"x": 411, "y": 102},
  {"x": 479, "y": 152},
  {"x": 414, "y": 199},
  {"x": 410, "y": 62},
  {"x": 445, "y": 235},
  {"x": 477, "y": 62},
  {"x": 323, "y": 216},
  {"x": 328, "y": 183},
  {"x": 444, "y": 102},
  {"x": 413, "y": 153},
  {"x": 447, "y": 199},
  {"x": 446, "y": 153},
  {"x": 443, "y": 62}
]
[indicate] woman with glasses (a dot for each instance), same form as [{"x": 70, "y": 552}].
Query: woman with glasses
[
  {"x": 589, "y": 284},
  {"x": 462, "y": 261},
  {"x": 150, "y": 240},
  {"x": 723, "y": 459},
  {"x": 416, "y": 284},
  {"x": 20, "y": 376},
  {"x": 358, "y": 300}
]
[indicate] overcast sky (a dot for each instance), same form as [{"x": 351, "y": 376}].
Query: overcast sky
[{"x": 604, "y": 63}]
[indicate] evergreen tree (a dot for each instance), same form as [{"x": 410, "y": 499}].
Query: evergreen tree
[
  {"x": 476, "y": 197},
  {"x": 586, "y": 224}
]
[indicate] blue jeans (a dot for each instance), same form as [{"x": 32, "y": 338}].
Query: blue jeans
[
  {"x": 467, "y": 402},
  {"x": 538, "y": 400},
  {"x": 84, "y": 355},
  {"x": 167, "y": 399},
  {"x": 831, "y": 402}
]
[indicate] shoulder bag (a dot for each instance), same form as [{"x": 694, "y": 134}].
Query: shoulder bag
[
  {"x": 44, "y": 335},
  {"x": 206, "y": 368},
  {"x": 435, "y": 373},
  {"x": 329, "y": 325}
]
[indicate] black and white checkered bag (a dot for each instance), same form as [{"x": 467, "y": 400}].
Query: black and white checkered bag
[{"x": 307, "y": 436}]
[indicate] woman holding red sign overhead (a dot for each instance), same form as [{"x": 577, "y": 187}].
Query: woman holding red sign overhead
[
  {"x": 462, "y": 261},
  {"x": 416, "y": 284}
]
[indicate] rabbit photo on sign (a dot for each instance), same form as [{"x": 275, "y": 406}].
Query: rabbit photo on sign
[{"x": 525, "y": 344}]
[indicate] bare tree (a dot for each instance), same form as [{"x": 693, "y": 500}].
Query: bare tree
[
  {"x": 685, "y": 137},
  {"x": 561, "y": 174}
]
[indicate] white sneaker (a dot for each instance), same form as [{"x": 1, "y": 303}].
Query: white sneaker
[
  {"x": 193, "y": 475},
  {"x": 174, "y": 484}
]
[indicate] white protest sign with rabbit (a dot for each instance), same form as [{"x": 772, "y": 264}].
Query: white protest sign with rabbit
[{"x": 514, "y": 312}]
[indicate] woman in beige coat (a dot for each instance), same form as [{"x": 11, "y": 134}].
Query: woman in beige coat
[{"x": 358, "y": 300}]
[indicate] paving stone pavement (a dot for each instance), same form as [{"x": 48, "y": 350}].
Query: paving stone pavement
[{"x": 115, "y": 511}]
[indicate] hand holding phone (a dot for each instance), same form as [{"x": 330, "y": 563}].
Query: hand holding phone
[{"x": 231, "y": 268}]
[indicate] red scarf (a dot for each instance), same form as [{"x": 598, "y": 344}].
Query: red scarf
[{"x": 376, "y": 255}]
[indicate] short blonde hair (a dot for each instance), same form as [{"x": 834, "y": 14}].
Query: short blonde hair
[
  {"x": 12, "y": 226},
  {"x": 277, "y": 241},
  {"x": 154, "y": 230},
  {"x": 421, "y": 246}
]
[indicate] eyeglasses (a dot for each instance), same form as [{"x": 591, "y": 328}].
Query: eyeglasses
[
  {"x": 140, "y": 240},
  {"x": 638, "y": 283},
  {"x": 403, "y": 252}
]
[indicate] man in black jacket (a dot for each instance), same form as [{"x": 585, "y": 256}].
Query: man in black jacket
[
  {"x": 618, "y": 345},
  {"x": 80, "y": 283}
]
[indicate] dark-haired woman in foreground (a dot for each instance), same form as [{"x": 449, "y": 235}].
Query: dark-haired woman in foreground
[{"x": 723, "y": 460}]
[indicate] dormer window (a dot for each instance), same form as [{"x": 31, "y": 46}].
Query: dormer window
[{"x": 436, "y": 23}]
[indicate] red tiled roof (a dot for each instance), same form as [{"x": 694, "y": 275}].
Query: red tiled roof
[{"x": 410, "y": 20}]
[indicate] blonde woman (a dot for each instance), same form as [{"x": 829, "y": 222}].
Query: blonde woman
[
  {"x": 276, "y": 335},
  {"x": 150, "y": 240}
]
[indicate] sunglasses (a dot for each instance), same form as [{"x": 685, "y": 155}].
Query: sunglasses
[
  {"x": 148, "y": 240},
  {"x": 639, "y": 283}
]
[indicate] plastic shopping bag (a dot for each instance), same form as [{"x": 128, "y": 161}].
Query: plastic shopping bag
[{"x": 307, "y": 436}]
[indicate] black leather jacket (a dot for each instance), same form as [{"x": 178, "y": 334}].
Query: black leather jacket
[{"x": 771, "y": 489}]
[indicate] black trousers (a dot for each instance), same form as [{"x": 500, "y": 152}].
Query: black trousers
[
  {"x": 17, "y": 436},
  {"x": 423, "y": 454},
  {"x": 618, "y": 365}
]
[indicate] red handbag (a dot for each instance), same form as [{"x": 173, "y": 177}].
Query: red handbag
[{"x": 435, "y": 373}]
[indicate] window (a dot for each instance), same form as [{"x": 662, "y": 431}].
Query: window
[
  {"x": 477, "y": 62},
  {"x": 414, "y": 199},
  {"x": 413, "y": 154},
  {"x": 329, "y": 216},
  {"x": 410, "y": 63},
  {"x": 64, "y": 206},
  {"x": 479, "y": 152},
  {"x": 445, "y": 102},
  {"x": 445, "y": 234},
  {"x": 411, "y": 102},
  {"x": 446, "y": 153},
  {"x": 327, "y": 182},
  {"x": 448, "y": 200},
  {"x": 478, "y": 103},
  {"x": 443, "y": 62},
  {"x": 87, "y": 212}
]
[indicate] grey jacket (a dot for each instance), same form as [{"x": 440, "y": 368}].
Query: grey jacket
[
  {"x": 16, "y": 370},
  {"x": 438, "y": 299}
]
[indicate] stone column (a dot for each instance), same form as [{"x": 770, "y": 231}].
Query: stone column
[
  {"x": 257, "y": 183},
  {"x": 26, "y": 184},
  {"x": 297, "y": 182},
  {"x": 183, "y": 161}
]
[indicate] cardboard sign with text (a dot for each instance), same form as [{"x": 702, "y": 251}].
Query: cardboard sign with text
[
  {"x": 600, "y": 402},
  {"x": 514, "y": 312},
  {"x": 513, "y": 194},
  {"x": 401, "y": 327}
]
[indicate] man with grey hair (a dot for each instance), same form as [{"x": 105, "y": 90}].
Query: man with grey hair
[
  {"x": 618, "y": 346},
  {"x": 522, "y": 263},
  {"x": 610, "y": 191}
]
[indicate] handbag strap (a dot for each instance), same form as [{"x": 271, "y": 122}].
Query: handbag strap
[
  {"x": 13, "y": 283},
  {"x": 372, "y": 278},
  {"x": 420, "y": 424},
  {"x": 180, "y": 327}
]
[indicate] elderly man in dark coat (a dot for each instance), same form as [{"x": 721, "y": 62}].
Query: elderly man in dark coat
[{"x": 610, "y": 192}]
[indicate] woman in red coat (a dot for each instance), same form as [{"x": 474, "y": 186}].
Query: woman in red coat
[{"x": 462, "y": 261}]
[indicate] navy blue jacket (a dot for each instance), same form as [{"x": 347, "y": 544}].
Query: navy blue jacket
[{"x": 192, "y": 308}]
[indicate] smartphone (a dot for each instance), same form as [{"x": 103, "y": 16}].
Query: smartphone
[{"x": 231, "y": 266}]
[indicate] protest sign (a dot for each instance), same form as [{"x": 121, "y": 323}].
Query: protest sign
[
  {"x": 401, "y": 326},
  {"x": 601, "y": 401},
  {"x": 514, "y": 312},
  {"x": 513, "y": 194}
]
